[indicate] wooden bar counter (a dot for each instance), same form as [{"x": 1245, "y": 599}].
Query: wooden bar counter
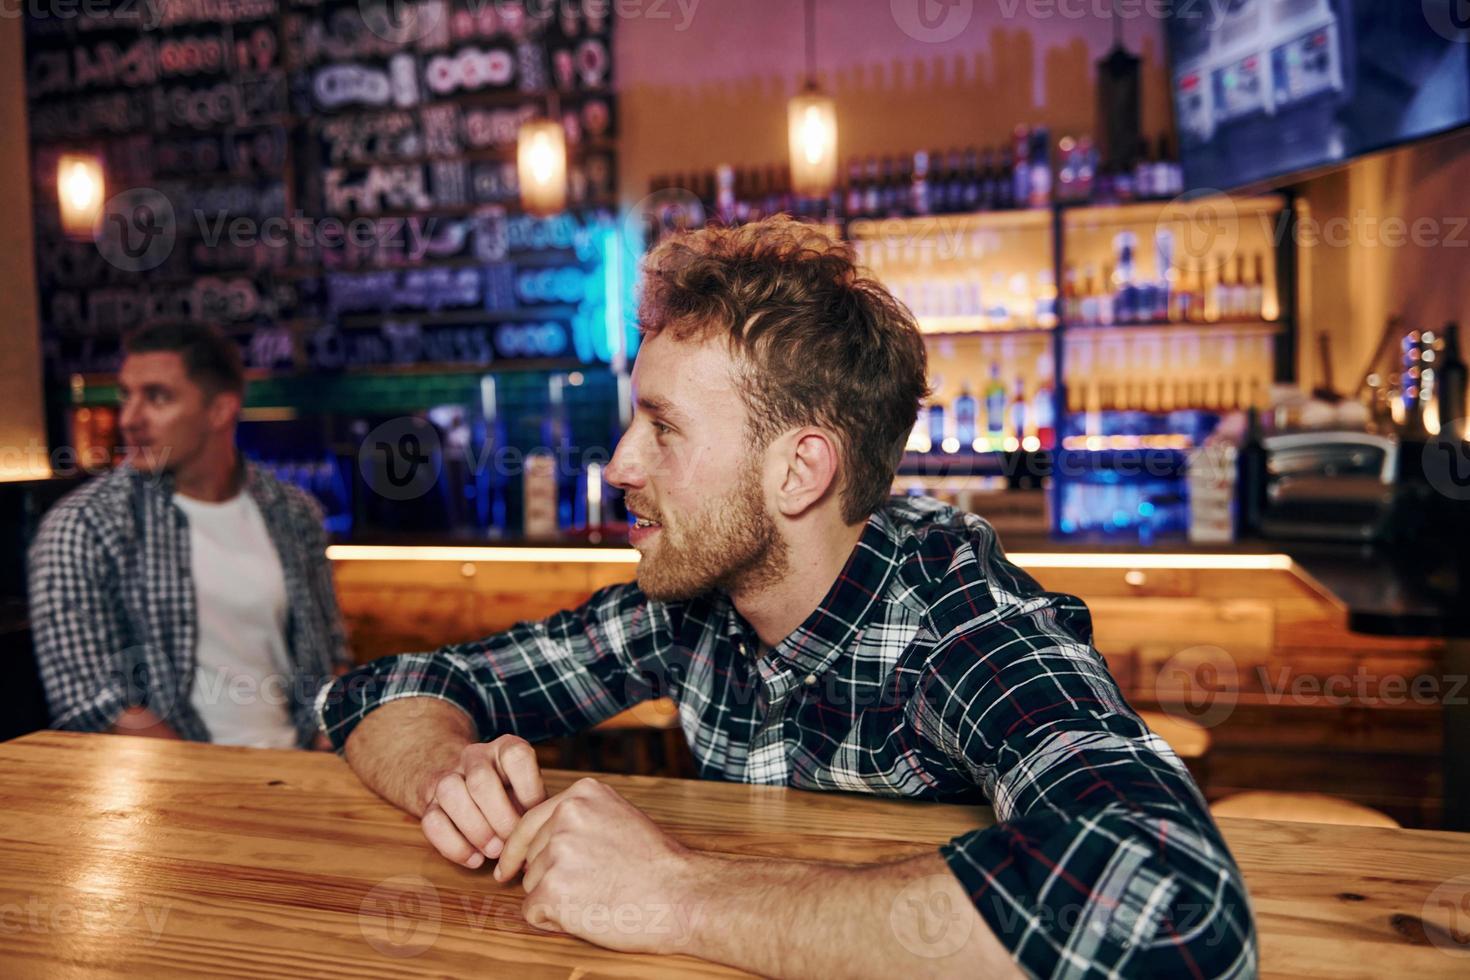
[{"x": 134, "y": 857}]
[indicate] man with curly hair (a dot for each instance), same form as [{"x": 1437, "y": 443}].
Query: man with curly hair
[{"x": 815, "y": 633}]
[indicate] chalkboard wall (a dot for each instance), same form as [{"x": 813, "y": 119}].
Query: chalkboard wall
[{"x": 332, "y": 183}]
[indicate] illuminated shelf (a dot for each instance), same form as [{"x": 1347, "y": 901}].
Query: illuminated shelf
[
  {"x": 1237, "y": 328},
  {"x": 939, "y": 225},
  {"x": 1204, "y": 209},
  {"x": 941, "y": 326}
]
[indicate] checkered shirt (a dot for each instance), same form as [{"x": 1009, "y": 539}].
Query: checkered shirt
[
  {"x": 112, "y": 604},
  {"x": 935, "y": 669}
]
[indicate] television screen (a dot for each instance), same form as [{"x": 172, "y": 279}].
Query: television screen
[{"x": 1266, "y": 88}]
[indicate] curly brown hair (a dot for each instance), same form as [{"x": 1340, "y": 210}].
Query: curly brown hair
[{"x": 818, "y": 342}]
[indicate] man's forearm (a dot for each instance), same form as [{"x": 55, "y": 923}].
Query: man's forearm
[
  {"x": 799, "y": 919},
  {"x": 401, "y": 747}
]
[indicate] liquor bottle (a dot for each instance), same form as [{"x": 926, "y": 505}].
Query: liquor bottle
[
  {"x": 1039, "y": 174},
  {"x": 1160, "y": 301},
  {"x": 979, "y": 182},
  {"x": 1143, "y": 173},
  {"x": 1251, "y": 478},
  {"x": 1005, "y": 182},
  {"x": 1224, "y": 294},
  {"x": 1255, "y": 291},
  {"x": 1068, "y": 170},
  {"x": 872, "y": 189},
  {"x": 919, "y": 189},
  {"x": 995, "y": 403},
  {"x": 964, "y": 419},
  {"x": 1106, "y": 299},
  {"x": 1126, "y": 294},
  {"x": 1124, "y": 189},
  {"x": 1045, "y": 413},
  {"x": 1087, "y": 300},
  {"x": 951, "y": 197},
  {"x": 1086, "y": 169},
  {"x": 1071, "y": 302},
  {"x": 936, "y": 425},
  {"x": 1021, "y": 167},
  {"x": 1450, "y": 394},
  {"x": 1163, "y": 176},
  {"x": 852, "y": 201},
  {"x": 1239, "y": 309},
  {"x": 1018, "y": 411}
]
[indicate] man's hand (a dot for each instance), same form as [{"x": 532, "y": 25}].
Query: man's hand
[
  {"x": 597, "y": 868},
  {"x": 474, "y": 807},
  {"x": 141, "y": 721}
]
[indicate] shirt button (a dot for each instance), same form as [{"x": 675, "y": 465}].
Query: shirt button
[{"x": 810, "y": 680}]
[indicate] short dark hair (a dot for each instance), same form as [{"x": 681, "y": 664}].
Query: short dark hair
[
  {"x": 822, "y": 343},
  {"x": 211, "y": 359}
]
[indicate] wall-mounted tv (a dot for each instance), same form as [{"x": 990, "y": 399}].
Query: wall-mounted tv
[{"x": 1264, "y": 89}]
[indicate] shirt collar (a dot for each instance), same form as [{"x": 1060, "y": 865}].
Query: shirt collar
[{"x": 834, "y": 626}]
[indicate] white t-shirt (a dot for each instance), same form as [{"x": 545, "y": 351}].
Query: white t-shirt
[{"x": 242, "y": 684}]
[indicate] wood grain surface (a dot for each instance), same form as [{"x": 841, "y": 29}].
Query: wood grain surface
[{"x": 137, "y": 857}]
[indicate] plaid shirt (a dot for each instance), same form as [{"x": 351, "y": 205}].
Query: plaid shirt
[
  {"x": 112, "y": 602},
  {"x": 934, "y": 669}
]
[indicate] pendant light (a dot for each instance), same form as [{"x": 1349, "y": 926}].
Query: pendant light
[
  {"x": 812, "y": 124},
  {"x": 81, "y": 190},
  {"x": 541, "y": 154}
]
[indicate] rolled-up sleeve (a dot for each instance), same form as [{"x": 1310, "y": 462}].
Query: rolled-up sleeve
[
  {"x": 81, "y": 640},
  {"x": 1105, "y": 860},
  {"x": 538, "y": 680}
]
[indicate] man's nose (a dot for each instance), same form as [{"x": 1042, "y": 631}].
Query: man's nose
[
  {"x": 129, "y": 415},
  {"x": 624, "y": 470}
]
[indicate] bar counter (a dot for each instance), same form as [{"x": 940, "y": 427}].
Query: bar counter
[
  {"x": 1248, "y": 639},
  {"x": 128, "y": 856}
]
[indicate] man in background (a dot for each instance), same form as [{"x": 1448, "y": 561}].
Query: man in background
[{"x": 186, "y": 594}]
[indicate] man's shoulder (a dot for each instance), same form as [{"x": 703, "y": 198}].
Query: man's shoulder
[
  {"x": 952, "y": 566},
  {"x": 932, "y": 535},
  {"x": 100, "y": 508},
  {"x": 279, "y": 499}
]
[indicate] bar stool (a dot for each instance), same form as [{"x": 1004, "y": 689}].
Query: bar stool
[
  {"x": 1190, "y": 741},
  {"x": 1300, "y": 808}
]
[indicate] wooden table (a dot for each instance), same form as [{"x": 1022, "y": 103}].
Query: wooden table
[{"x": 131, "y": 856}]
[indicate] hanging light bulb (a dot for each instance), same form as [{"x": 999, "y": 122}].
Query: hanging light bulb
[
  {"x": 541, "y": 165},
  {"x": 812, "y": 126},
  {"x": 81, "y": 190}
]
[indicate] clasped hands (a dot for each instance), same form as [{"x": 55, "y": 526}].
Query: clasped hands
[{"x": 592, "y": 864}]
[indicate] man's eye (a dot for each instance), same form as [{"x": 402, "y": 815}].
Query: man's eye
[{"x": 660, "y": 428}]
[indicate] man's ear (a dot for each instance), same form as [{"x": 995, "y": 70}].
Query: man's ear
[
  {"x": 224, "y": 409},
  {"x": 810, "y": 463}
]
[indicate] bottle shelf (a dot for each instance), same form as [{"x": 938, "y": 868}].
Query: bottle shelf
[
  {"x": 949, "y": 326},
  {"x": 1238, "y": 328}
]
